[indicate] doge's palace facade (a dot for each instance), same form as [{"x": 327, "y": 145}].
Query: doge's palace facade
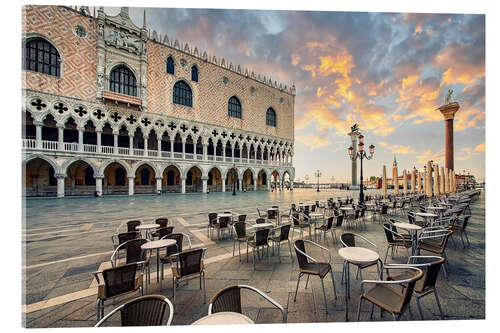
[{"x": 113, "y": 108}]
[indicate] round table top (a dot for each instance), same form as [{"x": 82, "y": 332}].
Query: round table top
[
  {"x": 273, "y": 208},
  {"x": 157, "y": 244},
  {"x": 370, "y": 204},
  {"x": 346, "y": 208},
  {"x": 436, "y": 208},
  {"x": 426, "y": 214},
  {"x": 263, "y": 225},
  {"x": 224, "y": 318},
  {"x": 147, "y": 226},
  {"x": 315, "y": 215},
  {"x": 224, "y": 215},
  {"x": 407, "y": 226},
  {"x": 358, "y": 255}
]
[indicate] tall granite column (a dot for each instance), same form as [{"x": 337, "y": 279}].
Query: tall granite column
[{"x": 448, "y": 111}]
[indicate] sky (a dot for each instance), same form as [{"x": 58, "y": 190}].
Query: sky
[{"x": 386, "y": 71}]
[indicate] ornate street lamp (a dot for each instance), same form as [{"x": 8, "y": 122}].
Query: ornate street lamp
[
  {"x": 317, "y": 174},
  {"x": 361, "y": 154}
]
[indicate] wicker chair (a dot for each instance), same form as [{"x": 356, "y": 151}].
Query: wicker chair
[
  {"x": 300, "y": 223},
  {"x": 395, "y": 240},
  {"x": 260, "y": 220},
  {"x": 143, "y": 311},
  {"x": 229, "y": 300},
  {"x": 434, "y": 240},
  {"x": 283, "y": 236},
  {"x": 212, "y": 222},
  {"x": 163, "y": 222},
  {"x": 132, "y": 224},
  {"x": 162, "y": 232},
  {"x": 240, "y": 229},
  {"x": 328, "y": 226},
  {"x": 223, "y": 224},
  {"x": 385, "y": 297},
  {"x": 122, "y": 237},
  {"x": 461, "y": 229},
  {"x": 242, "y": 218},
  {"x": 310, "y": 266},
  {"x": 260, "y": 240},
  {"x": 117, "y": 281},
  {"x": 174, "y": 249},
  {"x": 349, "y": 240},
  {"x": 273, "y": 215},
  {"x": 430, "y": 265},
  {"x": 262, "y": 215},
  {"x": 187, "y": 265}
]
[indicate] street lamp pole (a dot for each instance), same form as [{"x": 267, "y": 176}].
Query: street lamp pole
[
  {"x": 361, "y": 154},
  {"x": 317, "y": 174},
  {"x": 235, "y": 175}
]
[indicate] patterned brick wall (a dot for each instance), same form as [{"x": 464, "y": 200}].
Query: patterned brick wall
[
  {"x": 78, "y": 55},
  {"x": 211, "y": 94}
]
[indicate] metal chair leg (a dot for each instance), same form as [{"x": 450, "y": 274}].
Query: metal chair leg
[
  {"x": 419, "y": 306},
  {"x": 307, "y": 281},
  {"x": 438, "y": 304},
  {"x": 324, "y": 295},
  {"x": 359, "y": 307},
  {"x": 333, "y": 282},
  {"x": 297, "y": 287}
]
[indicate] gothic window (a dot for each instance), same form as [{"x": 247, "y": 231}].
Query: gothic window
[
  {"x": 119, "y": 176},
  {"x": 183, "y": 94},
  {"x": 234, "y": 108},
  {"x": 145, "y": 177},
  {"x": 122, "y": 81},
  {"x": 170, "y": 65},
  {"x": 271, "y": 117},
  {"x": 194, "y": 74},
  {"x": 89, "y": 176},
  {"x": 41, "y": 56}
]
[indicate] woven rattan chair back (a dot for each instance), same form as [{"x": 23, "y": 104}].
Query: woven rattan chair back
[
  {"x": 411, "y": 217},
  {"x": 284, "y": 232},
  {"x": 340, "y": 220},
  {"x": 356, "y": 214},
  {"x": 271, "y": 214},
  {"x": 144, "y": 311},
  {"x": 261, "y": 237},
  {"x": 388, "y": 228},
  {"x": 295, "y": 218},
  {"x": 119, "y": 280},
  {"x": 301, "y": 258},
  {"x": 190, "y": 262},
  {"x": 224, "y": 221},
  {"x": 430, "y": 266},
  {"x": 242, "y": 218},
  {"x": 408, "y": 290},
  {"x": 178, "y": 237},
  {"x": 329, "y": 223},
  {"x": 126, "y": 236},
  {"x": 162, "y": 232},
  {"x": 241, "y": 229},
  {"x": 348, "y": 239},
  {"x": 132, "y": 224},
  {"x": 260, "y": 220},
  {"x": 134, "y": 251},
  {"x": 384, "y": 209},
  {"x": 212, "y": 218},
  {"x": 227, "y": 300},
  {"x": 162, "y": 221},
  {"x": 313, "y": 208},
  {"x": 464, "y": 223}
]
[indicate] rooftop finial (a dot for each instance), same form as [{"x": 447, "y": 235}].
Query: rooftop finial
[{"x": 144, "y": 20}]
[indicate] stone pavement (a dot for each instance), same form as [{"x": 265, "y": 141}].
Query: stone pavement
[{"x": 62, "y": 293}]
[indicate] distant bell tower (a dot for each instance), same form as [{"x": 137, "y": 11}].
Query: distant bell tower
[{"x": 394, "y": 166}]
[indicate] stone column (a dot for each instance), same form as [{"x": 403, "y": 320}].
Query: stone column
[
  {"x": 395, "y": 182},
  {"x": 223, "y": 185},
  {"x": 98, "y": 184},
  {"x": 291, "y": 183},
  {"x": 145, "y": 146},
  {"x": 131, "y": 147},
  {"x": 98, "y": 134},
  {"x": 183, "y": 149},
  {"x": 448, "y": 111},
  {"x": 248, "y": 153},
  {"x": 38, "y": 135},
  {"x": 384, "y": 182},
  {"x": 60, "y": 184},
  {"x": 232, "y": 153},
  {"x": 80, "y": 139},
  {"x": 131, "y": 181},
  {"x": 183, "y": 185},
  {"x": 60, "y": 136},
  {"x": 354, "y": 164},
  {"x": 224, "y": 151},
  {"x": 115, "y": 143},
  {"x": 405, "y": 183},
  {"x": 171, "y": 147},
  {"x": 205, "y": 148},
  {"x": 254, "y": 184},
  {"x": 268, "y": 185},
  {"x": 159, "y": 147},
  {"x": 205, "y": 181}
]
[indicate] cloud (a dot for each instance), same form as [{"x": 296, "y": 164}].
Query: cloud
[
  {"x": 480, "y": 148},
  {"x": 429, "y": 155},
  {"x": 313, "y": 141}
]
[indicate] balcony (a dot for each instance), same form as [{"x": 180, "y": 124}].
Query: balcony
[
  {"x": 73, "y": 147},
  {"x": 121, "y": 97}
]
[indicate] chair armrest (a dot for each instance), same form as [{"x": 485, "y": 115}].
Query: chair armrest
[
  {"x": 109, "y": 315},
  {"x": 307, "y": 256},
  {"x": 269, "y": 299},
  {"x": 96, "y": 275}
]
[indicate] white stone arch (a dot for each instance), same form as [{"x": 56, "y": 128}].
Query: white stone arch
[
  {"x": 210, "y": 167},
  {"x": 189, "y": 166},
  {"x": 53, "y": 164},
  {"x": 286, "y": 171},
  {"x": 66, "y": 164},
  {"x": 121, "y": 162},
  {"x": 163, "y": 166},
  {"x": 153, "y": 166},
  {"x": 40, "y": 116},
  {"x": 252, "y": 171}
]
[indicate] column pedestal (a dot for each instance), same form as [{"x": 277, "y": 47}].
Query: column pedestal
[
  {"x": 158, "y": 184},
  {"x": 131, "y": 185},
  {"x": 205, "y": 182},
  {"x": 98, "y": 185},
  {"x": 183, "y": 185},
  {"x": 60, "y": 185}
]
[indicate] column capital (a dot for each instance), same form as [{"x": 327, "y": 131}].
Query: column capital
[
  {"x": 204, "y": 178},
  {"x": 38, "y": 122},
  {"x": 99, "y": 176},
  {"x": 448, "y": 111},
  {"x": 60, "y": 175},
  {"x": 159, "y": 178},
  {"x": 60, "y": 126},
  {"x": 131, "y": 177}
]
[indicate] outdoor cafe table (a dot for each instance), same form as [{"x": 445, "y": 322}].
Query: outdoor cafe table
[
  {"x": 439, "y": 209},
  {"x": 315, "y": 217},
  {"x": 357, "y": 256},
  {"x": 158, "y": 244},
  {"x": 426, "y": 216},
  {"x": 262, "y": 225},
  {"x": 413, "y": 229},
  {"x": 147, "y": 228},
  {"x": 277, "y": 213},
  {"x": 224, "y": 318}
]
